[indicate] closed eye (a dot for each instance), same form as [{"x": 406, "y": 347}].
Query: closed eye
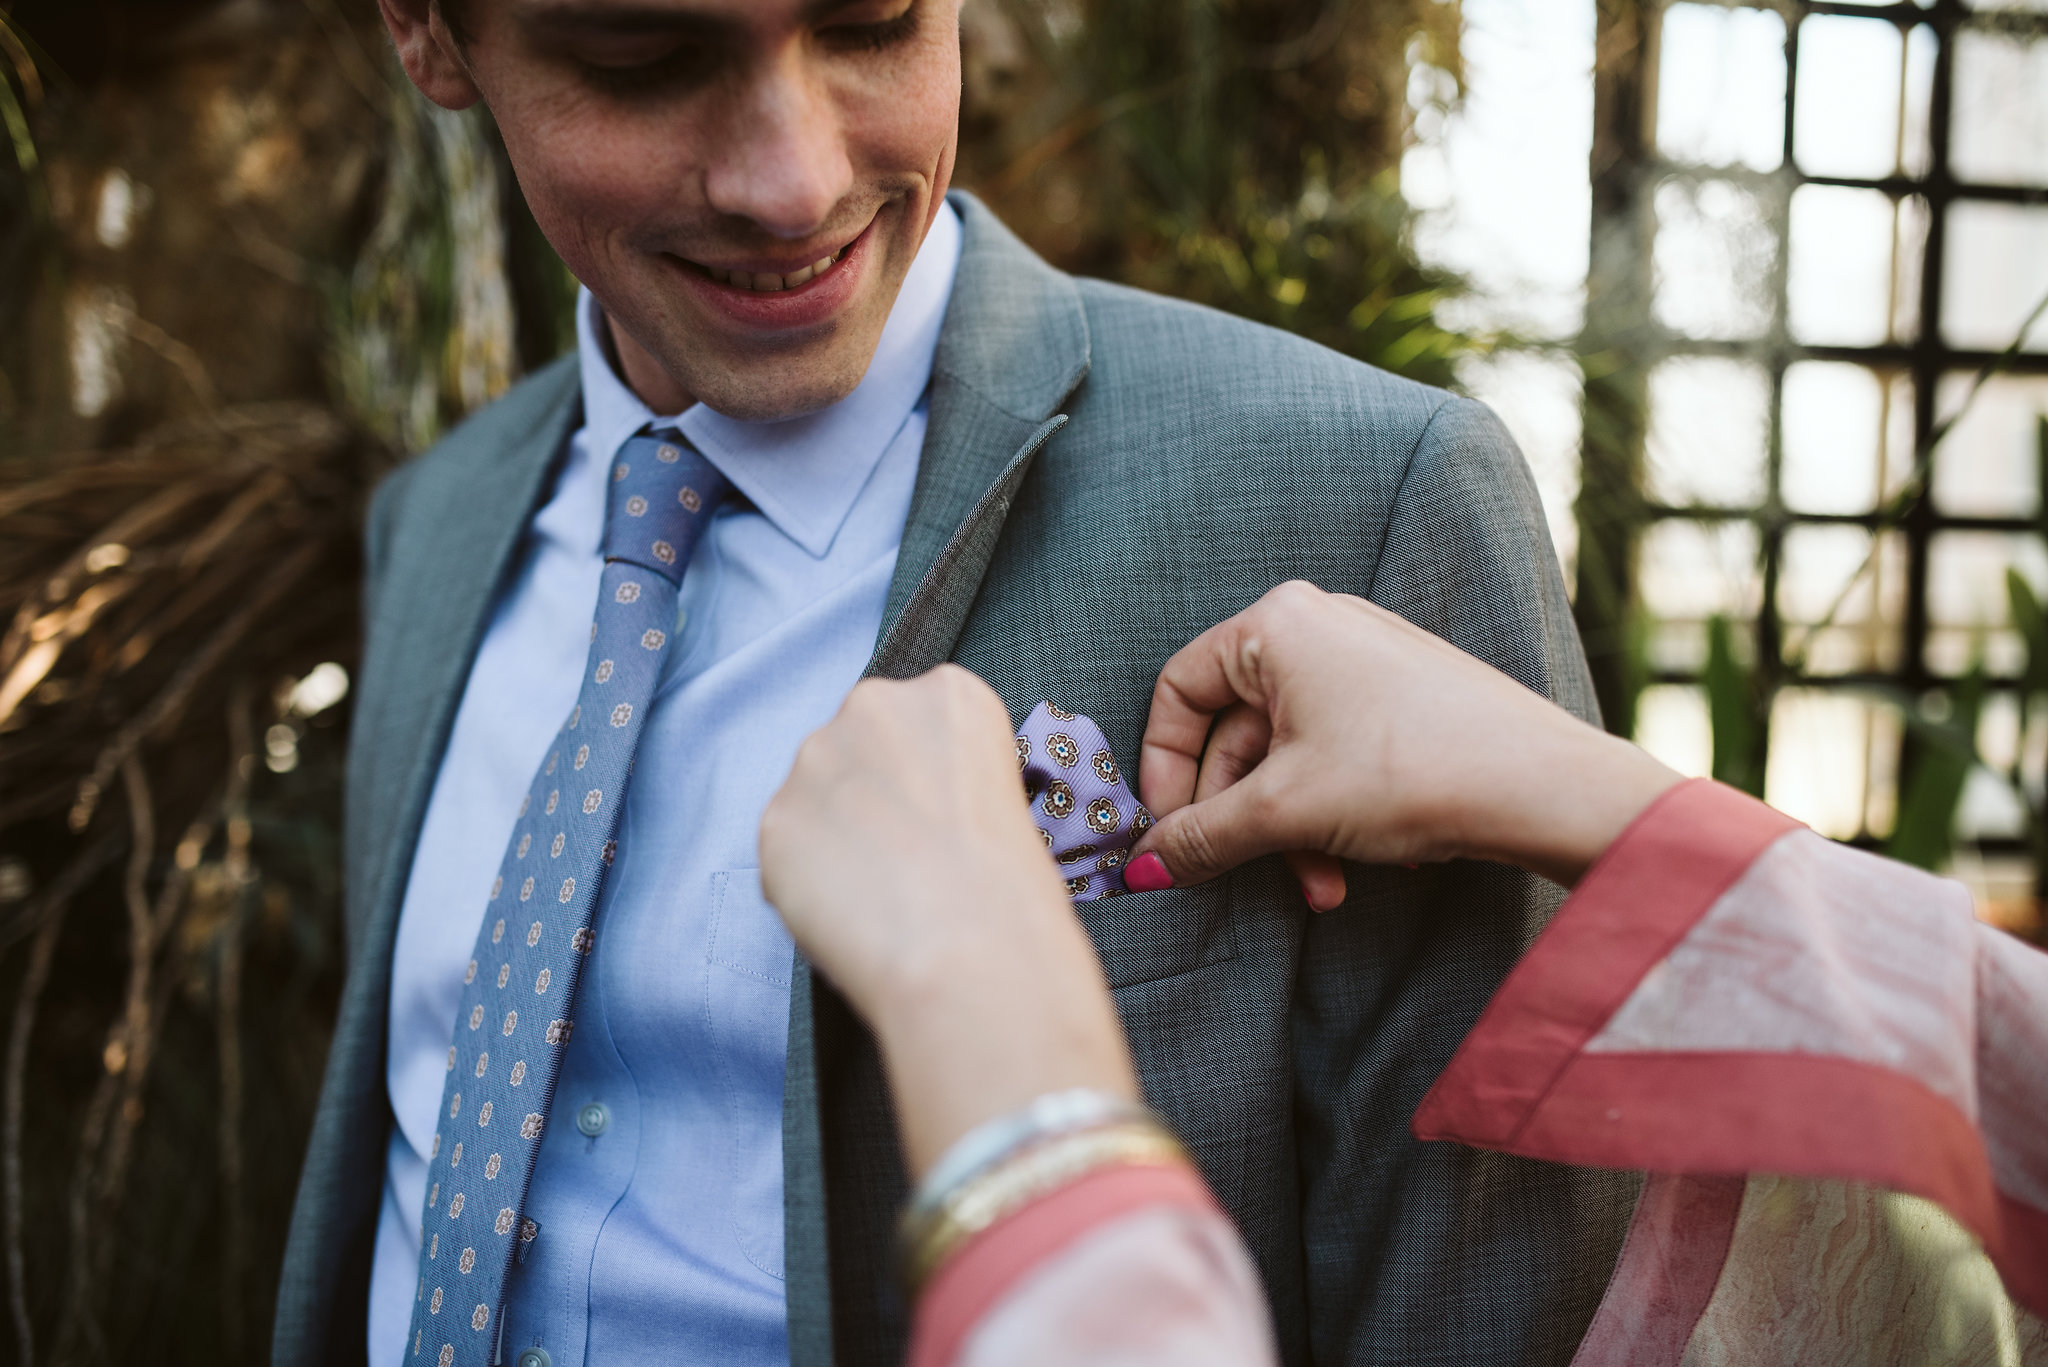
[
  {"x": 876, "y": 36},
  {"x": 674, "y": 64}
]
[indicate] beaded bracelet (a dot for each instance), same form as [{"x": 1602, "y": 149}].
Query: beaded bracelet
[
  {"x": 1077, "y": 1108},
  {"x": 934, "y": 1232}
]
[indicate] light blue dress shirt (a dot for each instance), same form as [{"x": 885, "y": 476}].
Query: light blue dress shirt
[{"x": 659, "y": 1185}]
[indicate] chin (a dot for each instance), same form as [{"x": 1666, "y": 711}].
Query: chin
[{"x": 771, "y": 393}]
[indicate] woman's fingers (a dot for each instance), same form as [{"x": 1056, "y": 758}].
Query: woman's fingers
[
  {"x": 1204, "y": 677},
  {"x": 1200, "y": 840},
  {"x": 1210, "y": 730},
  {"x": 1321, "y": 877},
  {"x": 1237, "y": 742}
]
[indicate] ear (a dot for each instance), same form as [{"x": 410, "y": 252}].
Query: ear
[{"x": 429, "y": 52}]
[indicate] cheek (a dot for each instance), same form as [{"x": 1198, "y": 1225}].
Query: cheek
[
  {"x": 910, "y": 122},
  {"x": 591, "y": 180}
]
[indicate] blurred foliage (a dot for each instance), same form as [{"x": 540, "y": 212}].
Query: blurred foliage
[
  {"x": 180, "y": 956},
  {"x": 1240, "y": 155},
  {"x": 2031, "y": 621},
  {"x": 1616, "y": 345},
  {"x": 1732, "y": 711},
  {"x": 261, "y": 268},
  {"x": 1924, "y": 835},
  {"x": 425, "y": 318},
  {"x": 243, "y": 268},
  {"x": 1948, "y": 729}
]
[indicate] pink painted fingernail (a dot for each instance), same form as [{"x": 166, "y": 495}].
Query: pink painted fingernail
[{"x": 1147, "y": 873}]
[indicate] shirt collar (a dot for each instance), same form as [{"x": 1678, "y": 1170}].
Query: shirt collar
[{"x": 804, "y": 474}]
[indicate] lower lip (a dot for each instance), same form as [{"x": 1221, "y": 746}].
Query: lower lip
[{"x": 809, "y": 304}]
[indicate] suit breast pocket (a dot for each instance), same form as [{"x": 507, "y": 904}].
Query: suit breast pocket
[
  {"x": 748, "y": 966},
  {"x": 1145, "y": 936}
]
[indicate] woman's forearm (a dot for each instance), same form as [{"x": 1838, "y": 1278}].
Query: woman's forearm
[{"x": 976, "y": 1035}]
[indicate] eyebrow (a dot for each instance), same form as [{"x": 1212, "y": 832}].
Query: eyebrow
[
  {"x": 563, "y": 16},
  {"x": 629, "y": 17}
]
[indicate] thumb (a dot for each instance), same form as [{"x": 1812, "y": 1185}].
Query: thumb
[{"x": 1204, "y": 839}]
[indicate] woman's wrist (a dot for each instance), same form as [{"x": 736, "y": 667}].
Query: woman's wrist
[
  {"x": 1569, "y": 798},
  {"x": 965, "y": 1044},
  {"x": 1052, "y": 1143}
]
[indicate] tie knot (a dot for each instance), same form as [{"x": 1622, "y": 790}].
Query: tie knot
[{"x": 661, "y": 498}]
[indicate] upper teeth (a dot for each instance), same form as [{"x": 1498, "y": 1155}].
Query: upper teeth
[{"x": 764, "y": 280}]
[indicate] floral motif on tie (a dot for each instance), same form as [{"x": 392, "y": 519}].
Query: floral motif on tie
[{"x": 662, "y": 496}]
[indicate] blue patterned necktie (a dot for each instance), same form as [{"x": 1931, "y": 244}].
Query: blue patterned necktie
[{"x": 514, "y": 1022}]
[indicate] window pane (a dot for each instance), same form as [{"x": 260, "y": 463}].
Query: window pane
[
  {"x": 1847, "y": 436},
  {"x": 1540, "y": 398},
  {"x": 1501, "y": 186},
  {"x": 1854, "y": 276},
  {"x": 1721, "y": 87},
  {"x": 1821, "y": 769},
  {"x": 1694, "y": 569},
  {"x": 1921, "y": 46},
  {"x": 2000, "y": 124},
  {"x": 1988, "y": 464},
  {"x": 1989, "y": 806},
  {"x": 1709, "y": 428},
  {"x": 1995, "y": 270},
  {"x": 1848, "y": 97},
  {"x": 1689, "y": 571},
  {"x": 1672, "y": 724},
  {"x": 1714, "y": 254},
  {"x": 1967, "y": 600},
  {"x": 1823, "y": 566}
]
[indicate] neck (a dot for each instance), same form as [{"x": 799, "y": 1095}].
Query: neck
[{"x": 644, "y": 375}]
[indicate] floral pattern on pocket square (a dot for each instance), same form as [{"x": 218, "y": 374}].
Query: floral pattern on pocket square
[{"x": 1084, "y": 811}]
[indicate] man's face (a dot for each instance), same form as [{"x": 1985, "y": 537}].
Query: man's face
[{"x": 743, "y": 184}]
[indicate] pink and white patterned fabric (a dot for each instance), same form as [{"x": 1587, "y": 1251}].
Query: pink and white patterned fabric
[
  {"x": 1127, "y": 1265},
  {"x": 1728, "y": 994},
  {"x": 1836, "y": 1077}
]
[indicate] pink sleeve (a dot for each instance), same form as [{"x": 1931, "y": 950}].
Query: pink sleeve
[
  {"x": 1133, "y": 1266},
  {"x": 1727, "y": 993}
]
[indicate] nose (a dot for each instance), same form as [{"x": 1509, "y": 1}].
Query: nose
[{"x": 781, "y": 162}]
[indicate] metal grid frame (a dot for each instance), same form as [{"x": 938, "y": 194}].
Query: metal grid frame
[{"x": 1613, "y": 511}]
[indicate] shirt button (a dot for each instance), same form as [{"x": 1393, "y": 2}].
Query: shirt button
[
  {"x": 534, "y": 1357},
  {"x": 592, "y": 1120}
]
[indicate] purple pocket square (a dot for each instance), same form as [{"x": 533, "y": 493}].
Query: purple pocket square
[{"x": 1088, "y": 815}]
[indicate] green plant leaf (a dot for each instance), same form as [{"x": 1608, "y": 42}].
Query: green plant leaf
[
  {"x": 1946, "y": 751},
  {"x": 2041, "y": 470},
  {"x": 2031, "y": 621},
  {"x": 1734, "y": 711}
]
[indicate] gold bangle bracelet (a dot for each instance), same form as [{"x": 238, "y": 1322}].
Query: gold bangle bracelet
[{"x": 1021, "y": 1179}]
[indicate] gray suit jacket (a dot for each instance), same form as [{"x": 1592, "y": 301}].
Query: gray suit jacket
[{"x": 1106, "y": 473}]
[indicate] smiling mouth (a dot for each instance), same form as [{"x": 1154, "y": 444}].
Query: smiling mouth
[{"x": 769, "y": 282}]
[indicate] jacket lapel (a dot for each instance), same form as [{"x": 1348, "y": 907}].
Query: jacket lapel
[
  {"x": 465, "y": 517},
  {"x": 1013, "y": 348},
  {"x": 440, "y": 552}
]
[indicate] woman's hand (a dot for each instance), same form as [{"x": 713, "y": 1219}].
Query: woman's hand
[
  {"x": 901, "y": 854},
  {"x": 1321, "y": 726}
]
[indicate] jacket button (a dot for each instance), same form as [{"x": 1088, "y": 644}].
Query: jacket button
[
  {"x": 534, "y": 1357},
  {"x": 592, "y": 1120}
]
